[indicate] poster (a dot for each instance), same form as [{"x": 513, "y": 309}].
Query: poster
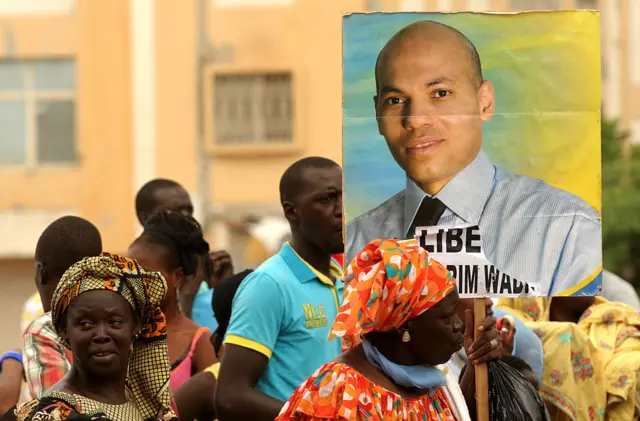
[
  {"x": 461, "y": 249},
  {"x": 497, "y": 116}
]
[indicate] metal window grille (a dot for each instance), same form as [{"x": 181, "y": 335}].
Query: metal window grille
[{"x": 253, "y": 109}]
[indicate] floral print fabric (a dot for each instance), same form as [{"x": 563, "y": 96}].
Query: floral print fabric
[
  {"x": 338, "y": 392},
  {"x": 590, "y": 368}
]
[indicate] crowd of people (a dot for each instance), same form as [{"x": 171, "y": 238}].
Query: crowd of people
[
  {"x": 117, "y": 339},
  {"x": 170, "y": 330}
]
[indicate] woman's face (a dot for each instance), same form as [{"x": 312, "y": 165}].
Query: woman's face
[
  {"x": 437, "y": 333},
  {"x": 100, "y": 328}
]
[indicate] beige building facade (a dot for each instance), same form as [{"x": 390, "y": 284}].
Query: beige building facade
[{"x": 99, "y": 96}]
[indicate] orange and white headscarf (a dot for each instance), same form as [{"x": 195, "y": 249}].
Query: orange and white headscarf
[{"x": 393, "y": 281}]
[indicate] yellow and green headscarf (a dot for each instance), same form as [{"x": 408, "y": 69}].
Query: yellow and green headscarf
[{"x": 149, "y": 370}]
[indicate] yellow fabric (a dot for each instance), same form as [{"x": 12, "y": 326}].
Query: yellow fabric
[
  {"x": 246, "y": 343},
  {"x": 214, "y": 369},
  {"x": 128, "y": 411},
  {"x": 255, "y": 253},
  {"x": 334, "y": 268},
  {"x": 590, "y": 368}
]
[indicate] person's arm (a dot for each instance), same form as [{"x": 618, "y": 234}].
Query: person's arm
[
  {"x": 526, "y": 344},
  {"x": 256, "y": 319},
  {"x": 507, "y": 328},
  {"x": 195, "y": 398},
  {"x": 222, "y": 266},
  {"x": 487, "y": 347},
  {"x": 236, "y": 397},
  {"x": 10, "y": 383},
  {"x": 468, "y": 387},
  {"x": 44, "y": 358},
  {"x": 9, "y": 415},
  {"x": 580, "y": 260},
  {"x": 204, "y": 355}
]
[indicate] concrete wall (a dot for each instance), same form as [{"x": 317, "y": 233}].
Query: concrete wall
[{"x": 16, "y": 285}]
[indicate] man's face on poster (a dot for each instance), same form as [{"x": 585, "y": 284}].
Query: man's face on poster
[{"x": 430, "y": 104}]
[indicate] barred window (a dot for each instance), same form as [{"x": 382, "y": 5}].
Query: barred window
[{"x": 253, "y": 109}]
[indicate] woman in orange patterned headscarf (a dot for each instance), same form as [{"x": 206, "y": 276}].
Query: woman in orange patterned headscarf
[{"x": 399, "y": 324}]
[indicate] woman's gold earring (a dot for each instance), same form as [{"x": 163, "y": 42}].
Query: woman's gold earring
[{"x": 406, "y": 336}]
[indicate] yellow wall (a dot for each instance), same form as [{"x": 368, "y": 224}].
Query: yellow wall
[
  {"x": 177, "y": 107},
  {"x": 99, "y": 188},
  {"x": 34, "y": 37},
  {"x": 304, "y": 38},
  {"x": 16, "y": 286},
  {"x": 104, "y": 119}
]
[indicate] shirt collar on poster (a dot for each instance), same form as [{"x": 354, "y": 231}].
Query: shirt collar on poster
[{"x": 465, "y": 194}]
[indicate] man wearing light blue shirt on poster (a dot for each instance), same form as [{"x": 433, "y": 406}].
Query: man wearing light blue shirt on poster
[{"x": 430, "y": 104}]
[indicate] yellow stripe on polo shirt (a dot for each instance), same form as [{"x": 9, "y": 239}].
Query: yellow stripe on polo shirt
[
  {"x": 213, "y": 369},
  {"x": 247, "y": 343},
  {"x": 334, "y": 268}
]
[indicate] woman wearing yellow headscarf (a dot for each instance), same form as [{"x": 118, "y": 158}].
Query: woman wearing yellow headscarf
[
  {"x": 592, "y": 355},
  {"x": 398, "y": 303},
  {"x": 106, "y": 311}
]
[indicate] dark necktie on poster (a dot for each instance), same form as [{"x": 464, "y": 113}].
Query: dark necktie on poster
[
  {"x": 460, "y": 249},
  {"x": 428, "y": 215}
]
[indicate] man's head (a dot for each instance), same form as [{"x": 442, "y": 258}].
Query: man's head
[
  {"x": 160, "y": 194},
  {"x": 442, "y": 322},
  {"x": 430, "y": 102},
  {"x": 64, "y": 242},
  {"x": 172, "y": 244},
  {"x": 311, "y": 196}
]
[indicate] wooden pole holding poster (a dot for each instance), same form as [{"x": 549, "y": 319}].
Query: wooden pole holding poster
[{"x": 482, "y": 371}]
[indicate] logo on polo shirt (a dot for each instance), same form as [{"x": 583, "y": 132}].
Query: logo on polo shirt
[{"x": 314, "y": 316}]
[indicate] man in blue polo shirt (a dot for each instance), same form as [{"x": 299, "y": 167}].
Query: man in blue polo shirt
[{"x": 283, "y": 311}]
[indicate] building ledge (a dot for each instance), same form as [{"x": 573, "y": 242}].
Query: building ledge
[{"x": 20, "y": 230}]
